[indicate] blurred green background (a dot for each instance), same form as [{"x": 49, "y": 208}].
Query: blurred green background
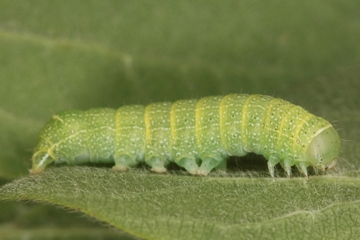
[{"x": 57, "y": 55}]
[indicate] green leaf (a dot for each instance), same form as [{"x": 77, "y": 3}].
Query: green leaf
[
  {"x": 58, "y": 55},
  {"x": 55, "y": 233},
  {"x": 184, "y": 207}
]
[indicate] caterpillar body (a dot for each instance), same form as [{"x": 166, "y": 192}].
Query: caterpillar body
[{"x": 198, "y": 135}]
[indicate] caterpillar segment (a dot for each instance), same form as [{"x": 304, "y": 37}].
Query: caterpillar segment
[{"x": 198, "y": 135}]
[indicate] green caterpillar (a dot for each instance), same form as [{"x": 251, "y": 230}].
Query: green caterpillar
[{"x": 198, "y": 135}]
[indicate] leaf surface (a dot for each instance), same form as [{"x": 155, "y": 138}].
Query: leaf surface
[{"x": 175, "y": 206}]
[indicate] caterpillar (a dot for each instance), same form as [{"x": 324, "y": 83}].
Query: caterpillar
[{"x": 198, "y": 135}]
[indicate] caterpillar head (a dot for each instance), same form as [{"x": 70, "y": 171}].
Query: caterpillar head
[{"x": 324, "y": 149}]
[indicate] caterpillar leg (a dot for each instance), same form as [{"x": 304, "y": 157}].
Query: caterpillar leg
[
  {"x": 208, "y": 164},
  {"x": 316, "y": 170},
  {"x": 189, "y": 164},
  {"x": 271, "y": 165},
  {"x": 222, "y": 166},
  {"x": 157, "y": 164},
  {"x": 123, "y": 162},
  {"x": 286, "y": 165},
  {"x": 302, "y": 167}
]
